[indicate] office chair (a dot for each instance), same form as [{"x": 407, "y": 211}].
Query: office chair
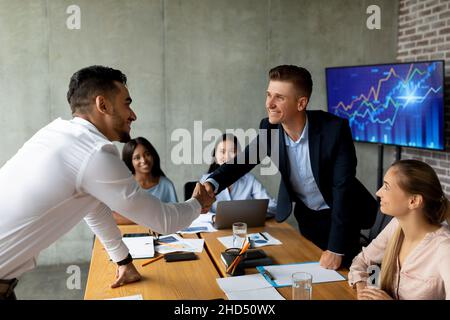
[
  {"x": 380, "y": 222},
  {"x": 188, "y": 189}
]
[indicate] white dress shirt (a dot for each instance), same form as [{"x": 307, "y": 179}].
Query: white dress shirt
[
  {"x": 69, "y": 170},
  {"x": 301, "y": 176}
]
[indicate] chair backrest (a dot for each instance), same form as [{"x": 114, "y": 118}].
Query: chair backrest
[
  {"x": 381, "y": 221},
  {"x": 188, "y": 189}
]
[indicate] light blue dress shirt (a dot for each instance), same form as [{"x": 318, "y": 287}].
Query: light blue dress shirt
[
  {"x": 245, "y": 188},
  {"x": 301, "y": 176},
  {"x": 164, "y": 190}
]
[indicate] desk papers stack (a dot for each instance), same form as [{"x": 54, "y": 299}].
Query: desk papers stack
[
  {"x": 256, "y": 239},
  {"x": 202, "y": 224},
  {"x": 174, "y": 243},
  {"x": 140, "y": 247}
]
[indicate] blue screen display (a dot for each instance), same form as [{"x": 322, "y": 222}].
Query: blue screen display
[{"x": 398, "y": 104}]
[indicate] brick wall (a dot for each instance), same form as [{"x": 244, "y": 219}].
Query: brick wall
[{"x": 424, "y": 34}]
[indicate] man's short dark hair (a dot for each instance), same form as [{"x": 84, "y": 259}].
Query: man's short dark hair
[
  {"x": 298, "y": 76},
  {"x": 92, "y": 81}
]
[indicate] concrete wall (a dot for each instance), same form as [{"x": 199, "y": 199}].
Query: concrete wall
[{"x": 186, "y": 60}]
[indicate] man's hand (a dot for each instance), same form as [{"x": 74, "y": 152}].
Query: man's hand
[
  {"x": 205, "y": 198},
  {"x": 330, "y": 260},
  {"x": 126, "y": 274},
  {"x": 209, "y": 188},
  {"x": 373, "y": 294}
]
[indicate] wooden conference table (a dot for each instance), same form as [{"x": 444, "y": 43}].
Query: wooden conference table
[{"x": 196, "y": 279}]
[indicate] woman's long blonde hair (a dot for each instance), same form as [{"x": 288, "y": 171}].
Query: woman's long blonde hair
[{"x": 414, "y": 177}]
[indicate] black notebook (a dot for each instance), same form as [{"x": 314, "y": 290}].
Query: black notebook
[{"x": 253, "y": 258}]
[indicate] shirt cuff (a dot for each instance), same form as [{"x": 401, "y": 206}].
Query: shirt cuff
[
  {"x": 355, "y": 277},
  {"x": 338, "y": 254},
  {"x": 195, "y": 204},
  {"x": 214, "y": 183},
  {"x": 118, "y": 253}
]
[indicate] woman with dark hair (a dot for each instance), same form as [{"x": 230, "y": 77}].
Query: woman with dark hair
[
  {"x": 247, "y": 187},
  {"x": 414, "y": 248},
  {"x": 143, "y": 161}
]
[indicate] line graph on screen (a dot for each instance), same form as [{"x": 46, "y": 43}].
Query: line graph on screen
[{"x": 399, "y": 104}]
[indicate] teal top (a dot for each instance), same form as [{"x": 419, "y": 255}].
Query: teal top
[{"x": 164, "y": 190}]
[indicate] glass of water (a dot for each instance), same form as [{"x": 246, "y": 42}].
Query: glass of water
[
  {"x": 301, "y": 286},
  {"x": 239, "y": 234}
]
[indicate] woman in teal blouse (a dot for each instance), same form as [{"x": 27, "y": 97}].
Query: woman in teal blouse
[{"x": 143, "y": 161}]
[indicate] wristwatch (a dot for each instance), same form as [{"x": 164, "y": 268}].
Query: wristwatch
[{"x": 125, "y": 261}]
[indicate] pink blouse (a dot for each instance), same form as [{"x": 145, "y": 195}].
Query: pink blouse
[{"x": 425, "y": 274}]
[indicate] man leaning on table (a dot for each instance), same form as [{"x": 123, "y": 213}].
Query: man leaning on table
[
  {"x": 70, "y": 170},
  {"x": 315, "y": 155}
]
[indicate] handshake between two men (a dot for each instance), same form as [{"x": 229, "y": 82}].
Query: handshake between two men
[{"x": 204, "y": 193}]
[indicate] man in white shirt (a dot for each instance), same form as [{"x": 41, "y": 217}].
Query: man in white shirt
[{"x": 71, "y": 170}]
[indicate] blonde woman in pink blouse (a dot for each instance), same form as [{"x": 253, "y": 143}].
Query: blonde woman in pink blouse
[{"x": 414, "y": 248}]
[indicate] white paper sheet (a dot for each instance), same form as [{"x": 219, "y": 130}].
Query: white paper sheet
[
  {"x": 140, "y": 247},
  {"x": 258, "y": 240},
  {"x": 199, "y": 227},
  {"x": 239, "y": 283},
  {"x": 248, "y": 287},
  {"x": 207, "y": 217},
  {"x": 196, "y": 244},
  {"x": 283, "y": 273},
  {"x": 177, "y": 243},
  {"x": 256, "y": 294},
  {"x": 202, "y": 224}
]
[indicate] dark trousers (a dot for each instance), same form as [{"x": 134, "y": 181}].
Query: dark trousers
[
  {"x": 7, "y": 289},
  {"x": 315, "y": 226}
]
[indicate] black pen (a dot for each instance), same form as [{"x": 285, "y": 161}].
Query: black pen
[
  {"x": 262, "y": 235},
  {"x": 268, "y": 274}
]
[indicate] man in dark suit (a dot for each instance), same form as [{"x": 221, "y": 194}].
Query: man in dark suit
[{"x": 315, "y": 155}]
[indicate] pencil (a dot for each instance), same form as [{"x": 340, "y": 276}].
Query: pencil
[
  {"x": 236, "y": 260},
  {"x": 153, "y": 260}
]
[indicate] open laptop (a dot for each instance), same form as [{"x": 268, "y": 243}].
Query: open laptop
[{"x": 252, "y": 212}]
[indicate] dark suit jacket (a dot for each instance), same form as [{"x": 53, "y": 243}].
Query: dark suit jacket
[{"x": 333, "y": 163}]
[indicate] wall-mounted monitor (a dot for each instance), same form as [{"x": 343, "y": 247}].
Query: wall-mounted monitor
[{"x": 397, "y": 104}]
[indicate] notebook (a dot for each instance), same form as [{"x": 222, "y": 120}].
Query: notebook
[{"x": 253, "y": 258}]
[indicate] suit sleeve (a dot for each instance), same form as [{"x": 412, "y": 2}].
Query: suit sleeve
[
  {"x": 343, "y": 175},
  {"x": 245, "y": 161}
]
